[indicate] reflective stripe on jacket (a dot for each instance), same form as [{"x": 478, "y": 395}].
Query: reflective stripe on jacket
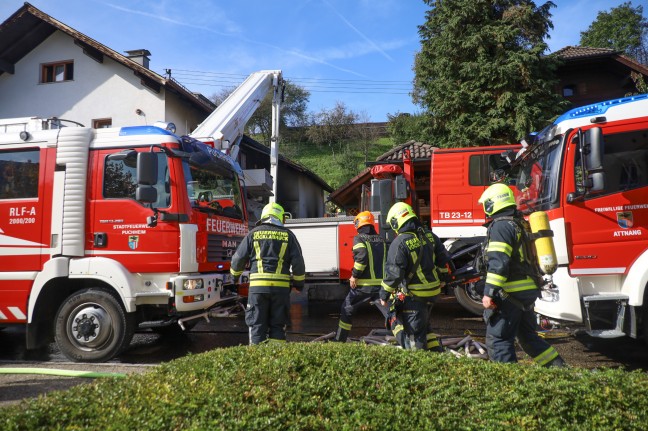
[
  {"x": 369, "y": 254},
  {"x": 507, "y": 267},
  {"x": 272, "y": 251},
  {"x": 402, "y": 256}
]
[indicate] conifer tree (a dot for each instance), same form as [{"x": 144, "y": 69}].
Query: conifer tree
[{"x": 482, "y": 74}]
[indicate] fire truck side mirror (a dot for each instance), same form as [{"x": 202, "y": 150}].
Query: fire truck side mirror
[
  {"x": 146, "y": 177},
  {"x": 147, "y": 169},
  {"x": 593, "y": 148}
]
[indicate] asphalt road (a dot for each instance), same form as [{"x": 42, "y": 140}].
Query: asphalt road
[{"x": 309, "y": 321}]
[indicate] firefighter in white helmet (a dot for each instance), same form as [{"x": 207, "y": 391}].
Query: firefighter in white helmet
[
  {"x": 511, "y": 290},
  {"x": 369, "y": 253},
  {"x": 416, "y": 263},
  {"x": 274, "y": 253}
]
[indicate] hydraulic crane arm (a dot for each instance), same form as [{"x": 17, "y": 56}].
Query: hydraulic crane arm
[{"x": 225, "y": 126}]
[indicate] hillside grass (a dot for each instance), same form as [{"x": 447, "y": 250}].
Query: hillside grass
[
  {"x": 335, "y": 170},
  {"x": 335, "y": 386}
]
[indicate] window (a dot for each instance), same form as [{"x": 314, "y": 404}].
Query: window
[
  {"x": 57, "y": 72},
  {"x": 102, "y": 123},
  {"x": 569, "y": 90},
  {"x": 485, "y": 169},
  {"x": 625, "y": 162},
  {"x": 19, "y": 174},
  {"x": 120, "y": 180}
]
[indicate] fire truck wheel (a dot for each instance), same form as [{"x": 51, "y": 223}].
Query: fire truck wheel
[
  {"x": 93, "y": 326},
  {"x": 470, "y": 298}
]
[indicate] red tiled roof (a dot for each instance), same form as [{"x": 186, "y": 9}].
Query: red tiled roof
[{"x": 418, "y": 150}]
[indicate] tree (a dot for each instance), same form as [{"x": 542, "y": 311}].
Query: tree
[
  {"x": 404, "y": 127},
  {"x": 481, "y": 73},
  {"x": 292, "y": 113},
  {"x": 332, "y": 127},
  {"x": 366, "y": 134},
  {"x": 623, "y": 28}
]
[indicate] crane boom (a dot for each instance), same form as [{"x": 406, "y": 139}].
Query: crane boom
[{"x": 225, "y": 126}]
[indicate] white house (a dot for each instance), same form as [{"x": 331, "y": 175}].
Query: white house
[{"x": 48, "y": 69}]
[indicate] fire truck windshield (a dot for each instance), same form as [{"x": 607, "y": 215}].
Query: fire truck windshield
[
  {"x": 214, "y": 190},
  {"x": 537, "y": 176}
]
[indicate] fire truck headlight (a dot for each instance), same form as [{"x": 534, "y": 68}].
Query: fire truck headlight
[{"x": 191, "y": 284}]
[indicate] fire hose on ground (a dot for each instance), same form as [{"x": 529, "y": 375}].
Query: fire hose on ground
[{"x": 60, "y": 372}]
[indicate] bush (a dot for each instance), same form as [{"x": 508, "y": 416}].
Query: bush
[{"x": 313, "y": 386}]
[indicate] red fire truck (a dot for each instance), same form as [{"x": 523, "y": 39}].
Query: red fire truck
[
  {"x": 458, "y": 177},
  {"x": 589, "y": 172},
  {"x": 104, "y": 231}
]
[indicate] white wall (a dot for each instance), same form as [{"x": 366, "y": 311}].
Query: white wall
[{"x": 99, "y": 90}]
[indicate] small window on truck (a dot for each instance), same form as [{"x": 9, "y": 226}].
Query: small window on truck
[
  {"x": 19, "y": 174},
  {"x": 475, "y": 170}
]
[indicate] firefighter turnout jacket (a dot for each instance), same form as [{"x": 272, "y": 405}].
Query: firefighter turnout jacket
[
  {"x": 272, "y": 251},
  {"x": 509, "y": 265},
  {"x": 369, "y": 253},
  {"x": 425, "y": 282}
]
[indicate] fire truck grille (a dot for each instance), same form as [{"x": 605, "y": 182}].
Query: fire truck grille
[{"x": 220, "y": 248}]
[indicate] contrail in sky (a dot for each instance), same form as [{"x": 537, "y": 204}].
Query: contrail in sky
[
  {"x": 362, "y": 35},
  {"x": 203, "y": 28}
]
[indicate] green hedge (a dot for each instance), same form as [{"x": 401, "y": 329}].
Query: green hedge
[{"x": 313, "y": 386}]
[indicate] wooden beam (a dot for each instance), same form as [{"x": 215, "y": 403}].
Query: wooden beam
[{"x": 90, "y": 51}]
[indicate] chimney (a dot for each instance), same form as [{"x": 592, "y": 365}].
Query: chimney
[{"x": 140, "y": 56}]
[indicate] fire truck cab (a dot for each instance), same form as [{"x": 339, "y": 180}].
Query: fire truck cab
[
  {"x": 103, "y": 231},
  {"x": 589, "y": 172}
]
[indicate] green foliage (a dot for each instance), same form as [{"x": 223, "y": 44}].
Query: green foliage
[
  {"x": 335, "y": 386},
  {"x": 623, "y": 28},
  {"x": 482, "y": 74},
  {"x": 337, "y": 170},
  {"x": 407, "y": 127}
]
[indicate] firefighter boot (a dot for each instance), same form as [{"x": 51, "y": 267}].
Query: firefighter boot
[
  {"x": 342, "y": 332},
  {"x": 433, "y": 344},
  {"x": 558, "y": 362}
]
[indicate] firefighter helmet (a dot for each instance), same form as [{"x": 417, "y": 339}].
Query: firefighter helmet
[
  {"x": 497, "y": 197},
  {"x": 273, "y": 209},
  {"x": 362, "y": 219},
  {"x": 398, "y": 214}
]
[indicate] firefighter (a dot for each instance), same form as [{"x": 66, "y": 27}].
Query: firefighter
[
  {"x": 510, "y": 291},
  {"x": 416, "y": 264},
  {"x": 272, "y": 251},
  {"x": 369, "y": 252}
]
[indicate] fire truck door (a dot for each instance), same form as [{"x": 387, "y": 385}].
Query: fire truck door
[
  {"x": 608, "y": 229},
  {"x": 118, "y": 223}
]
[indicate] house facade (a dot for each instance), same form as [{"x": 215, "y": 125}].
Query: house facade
[
  {"x": 590, "y": 75},
  {"x": 48, "y": 69}
]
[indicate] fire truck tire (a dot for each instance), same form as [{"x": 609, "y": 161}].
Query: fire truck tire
[
  {"x": 470, "y": 298},
  {"x": 93, "y": 326}
]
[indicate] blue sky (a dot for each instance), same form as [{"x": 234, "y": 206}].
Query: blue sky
[{"x": 358, "y": 52}]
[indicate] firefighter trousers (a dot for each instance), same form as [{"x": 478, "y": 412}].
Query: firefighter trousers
[
  {"x": 508, "y": 323},
  {"x": 411, "y": 325},
  {"x": 353, "y": 300},
  {"x": 267, "y": 314}
]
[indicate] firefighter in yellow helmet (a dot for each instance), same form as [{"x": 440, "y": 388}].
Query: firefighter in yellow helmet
[
  {"x": 369, "y": 252},
  {"x": 276, "y": 262},
  {"x": 510, "y": 290},
  {"x": 416, "y": 263}
]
